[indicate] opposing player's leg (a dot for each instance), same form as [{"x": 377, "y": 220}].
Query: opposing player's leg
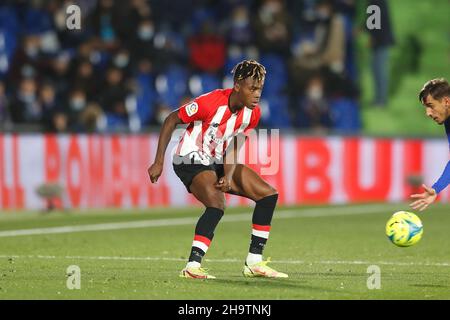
[
  {"x": 249, "y": 184},
  {"x": 202, "y": 187}
]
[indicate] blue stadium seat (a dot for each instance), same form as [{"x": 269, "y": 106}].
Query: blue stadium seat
[
  {"x": 203, "y": 83},
  {"x": 37, "y": 21},
  {"x": 274, "y": 64},
  {"x": 275, "y": 112},
  {"x": 232, "y": 60},
  {"x": 8, "y": 45},
  {"x": 145, "y": 98},
  {"x": 345, "y": 115},
  {"x": 275, "y": 83},
  {"x": 9, "y": 29},
  {"x": 171, "y": 85},
  {"x": 114, "y": 122},
  {"x": 200, "y": 16},
  {"x": 277, "y": 75},
  {"x": 350, "y": 60},
  {"x": 9, "y": 20}
]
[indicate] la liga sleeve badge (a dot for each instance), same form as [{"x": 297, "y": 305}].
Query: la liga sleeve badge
[{"x": 191, "y": 109}]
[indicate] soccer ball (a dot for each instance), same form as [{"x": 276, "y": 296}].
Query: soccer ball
[{"x": 404, "y": 229}]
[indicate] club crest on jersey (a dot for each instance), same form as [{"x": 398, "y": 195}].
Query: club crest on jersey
[{"x": 191, "y": 109}]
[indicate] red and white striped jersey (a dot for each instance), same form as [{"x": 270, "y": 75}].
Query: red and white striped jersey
[{"x": 212, "y": 125}]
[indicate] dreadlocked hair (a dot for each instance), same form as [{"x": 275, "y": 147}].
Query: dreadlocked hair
[{"x": 248, "y": 69}]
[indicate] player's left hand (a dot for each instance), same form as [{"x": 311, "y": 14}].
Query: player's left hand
[
  {"x": 223, "y": 184},
  {"x": 423, "y": 199}
]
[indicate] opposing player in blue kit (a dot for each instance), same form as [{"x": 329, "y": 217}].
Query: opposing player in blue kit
[{"x": 435, "y": 96}]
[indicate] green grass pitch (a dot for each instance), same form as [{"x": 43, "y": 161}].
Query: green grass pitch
[{"x": 138, "y": 255}]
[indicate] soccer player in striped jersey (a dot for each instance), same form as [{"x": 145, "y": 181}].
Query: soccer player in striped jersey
[
  {"x": 435, "y": 96},
  {"x": 206, "y": 162}
]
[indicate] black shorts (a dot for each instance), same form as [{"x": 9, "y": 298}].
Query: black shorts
[{"x": 186, "y": 169}]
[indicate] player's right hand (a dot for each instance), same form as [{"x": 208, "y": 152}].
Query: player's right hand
[
  {"x": 423, "y": 200},
  {"x": 154, "y": 172},
  {"x": 223, "y": 184}
]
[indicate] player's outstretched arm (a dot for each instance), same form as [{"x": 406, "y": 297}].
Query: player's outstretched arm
[
  {"x": 423, "y": 200},
  {"x": 430, "y": 194},
  {"x": 165, "y": 135}
]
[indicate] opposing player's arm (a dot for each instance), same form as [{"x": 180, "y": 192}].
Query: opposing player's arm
[
  {"x": 423, "y": 200},
  {"x": 443, "y": 181},
  {"x": 165, "y": 135}
]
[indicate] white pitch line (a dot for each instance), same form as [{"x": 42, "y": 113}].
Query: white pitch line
[
  {"x": 281, "y": 214},
  {"x": 326, "y": 262}
]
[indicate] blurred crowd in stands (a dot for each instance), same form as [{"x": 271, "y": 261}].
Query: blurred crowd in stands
[{"x": 135, "y": 61}]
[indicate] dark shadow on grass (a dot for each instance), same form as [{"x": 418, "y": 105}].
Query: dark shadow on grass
[
  {"x": 290, "y": 283},
  {"x": 334, "y": 274},
  {"x": 430, "y": 285}
]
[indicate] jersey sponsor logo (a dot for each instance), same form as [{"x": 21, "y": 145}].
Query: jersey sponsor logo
[{"x": 191, "y": 109}]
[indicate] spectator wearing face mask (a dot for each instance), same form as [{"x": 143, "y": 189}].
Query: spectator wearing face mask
[
  {"x": 58, "y": 70},
  {"x": 25, "y": 107},
  {"x": 323, "y": 50},
  {"x": 239, "y": 28},
  {"x": 141, "y": 43},
  {"x": 273, "y": 27},
  {"x": 146, "y": 30},
  {"x": 105, "y": 22},
  {"x": 26, "y": 62},
  {"x": 112, "y": 97},
  {"x": 76, "y": 104},
  {"x": 121, "y": 60},
  {"x": 314, "y": 113}
]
